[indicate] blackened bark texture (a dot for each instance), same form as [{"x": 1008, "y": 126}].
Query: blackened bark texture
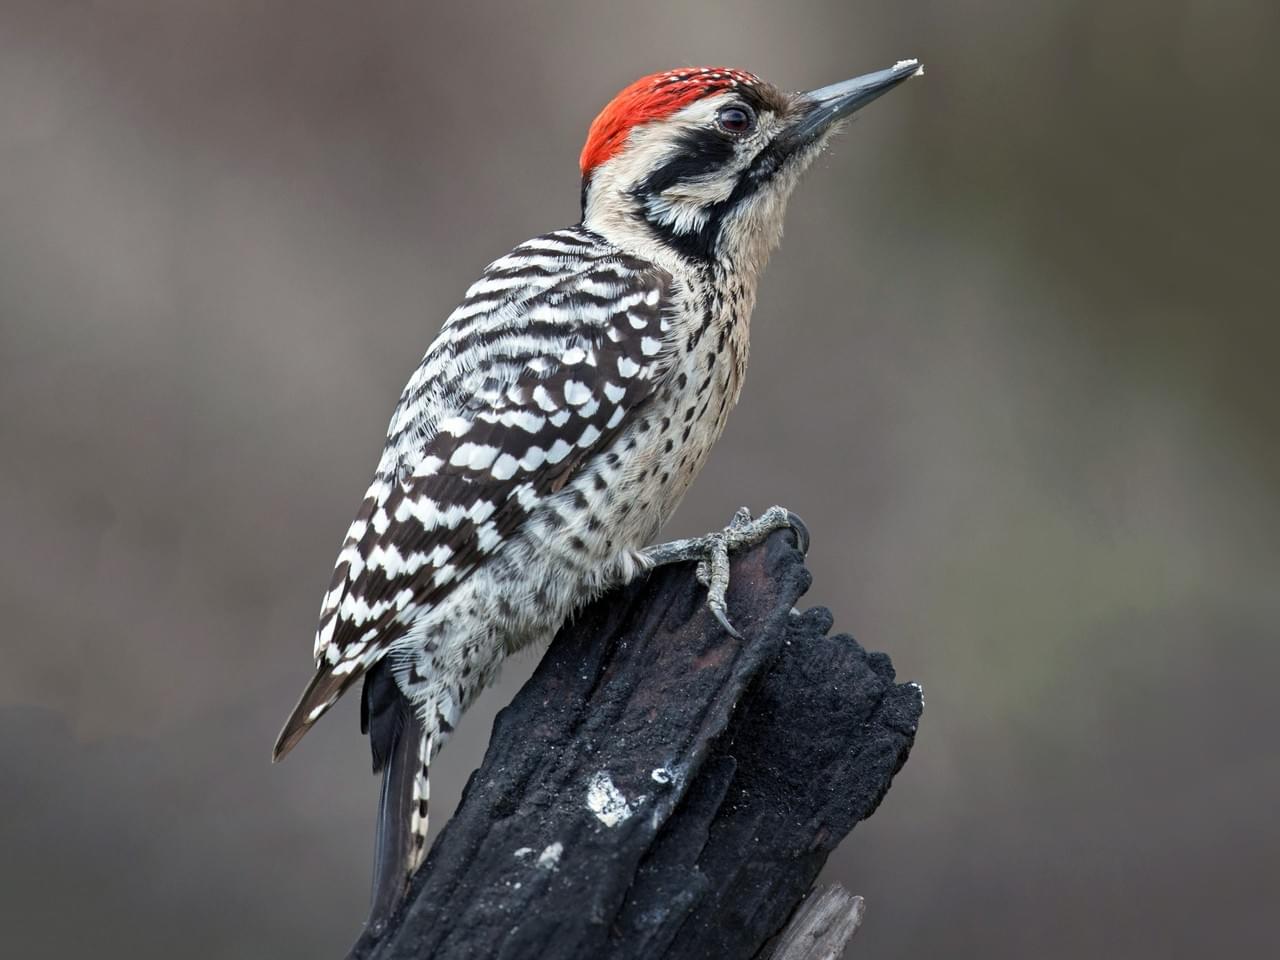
[{"x": 659, "y": 789}]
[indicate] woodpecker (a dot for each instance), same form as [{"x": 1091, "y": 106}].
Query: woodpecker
[{"x": 559, "y": 417}]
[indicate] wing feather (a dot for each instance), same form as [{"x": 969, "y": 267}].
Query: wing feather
[{"x": 538, "y": 370}]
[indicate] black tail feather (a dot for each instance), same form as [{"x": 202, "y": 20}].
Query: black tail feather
[
  {"x": 395, "y": 734},
  {"x": 383, "y": 713}
]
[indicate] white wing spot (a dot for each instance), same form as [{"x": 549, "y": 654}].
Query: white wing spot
[
  {"x": 428, "y": 467},
  {"x": 324, "y": 646},
  {"x": 487, "y": 537},
  {"x": 504, "y": 468},
  {"x": 482, "y": 456},
  {"x": 477, "y": 456},
  {"x": 576, "y": 392},
  {"x": 526, "y": 421},
  {"x": 525, "y": 495},
  {"x": 426, "y": 510},
  {"x": 455, "y": 425},
  {"x": 533, "y": 458},
  {"x": 559, "y": 450},
  {"x": 542, "y": 397}
]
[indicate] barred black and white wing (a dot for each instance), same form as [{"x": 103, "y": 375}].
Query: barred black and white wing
[{"x": 536, "y": 371}]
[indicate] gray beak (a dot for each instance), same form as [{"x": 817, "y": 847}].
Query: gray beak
[{"x": 833, "y": 103}]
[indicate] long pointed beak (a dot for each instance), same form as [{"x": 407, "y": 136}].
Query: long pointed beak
[{"x": 833, "y": 103}]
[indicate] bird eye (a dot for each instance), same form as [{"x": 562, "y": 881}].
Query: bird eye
[{"x": 736, "y": 119}]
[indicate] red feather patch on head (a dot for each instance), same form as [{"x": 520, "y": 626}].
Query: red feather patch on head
[{"x": 652, "y": 98}]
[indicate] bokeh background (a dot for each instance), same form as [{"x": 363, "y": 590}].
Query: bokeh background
[{"x": 1015, "y": 363}]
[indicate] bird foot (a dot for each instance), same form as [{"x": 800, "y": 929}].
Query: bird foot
[{"x": 712, "y": 552}]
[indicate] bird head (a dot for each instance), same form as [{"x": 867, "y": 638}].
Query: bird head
[{"x": 699, "y": 162}]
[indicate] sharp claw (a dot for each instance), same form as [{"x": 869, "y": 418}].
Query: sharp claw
[
  {"x": 724, "y": 622},
  {"x": 800, "y": 530},
  {"x": 712, "y": 553}
]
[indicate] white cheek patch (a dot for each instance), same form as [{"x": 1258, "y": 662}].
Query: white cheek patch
[
  {"x": 706, "y": 190},
  {"x": 680, "y": 214}
]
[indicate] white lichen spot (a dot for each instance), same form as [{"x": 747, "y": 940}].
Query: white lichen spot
[
  {"x": 919, "y": 690},
  {"x": 606, "y": 801},
  {"x": 549, "y": 858}
]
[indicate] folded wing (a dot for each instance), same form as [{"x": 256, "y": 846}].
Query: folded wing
[{"x": 537, "y": 371}]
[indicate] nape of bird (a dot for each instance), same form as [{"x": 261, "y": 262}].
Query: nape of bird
[{"x": 559, "y": 417}]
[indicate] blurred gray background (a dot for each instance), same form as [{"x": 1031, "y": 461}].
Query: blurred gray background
[{"x": 1014, "y": 363}]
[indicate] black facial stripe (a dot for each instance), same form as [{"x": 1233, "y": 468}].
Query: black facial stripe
[
  {"x": 763, "y": 166},
  {"x": 696, "y": 244},
  {"x": 698, "y": 152},
  {"x": 700, "y": 244}
]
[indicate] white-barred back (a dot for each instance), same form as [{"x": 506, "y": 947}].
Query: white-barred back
[{"x": 534, "y": 372}]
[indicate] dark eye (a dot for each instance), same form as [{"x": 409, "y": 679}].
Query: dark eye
[{"x": 736, "y": 119}]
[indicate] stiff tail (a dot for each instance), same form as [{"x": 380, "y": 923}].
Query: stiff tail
[{"x": 401, "y": 750}]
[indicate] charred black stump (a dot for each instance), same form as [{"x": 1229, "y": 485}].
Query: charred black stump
[{"x": 659, "y": 789}]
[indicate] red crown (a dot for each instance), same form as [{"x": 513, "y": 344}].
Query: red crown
[{"x": 652, "y": 98}]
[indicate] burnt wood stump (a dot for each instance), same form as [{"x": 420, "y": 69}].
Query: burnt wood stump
[{"x": 659, "y": 789}]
